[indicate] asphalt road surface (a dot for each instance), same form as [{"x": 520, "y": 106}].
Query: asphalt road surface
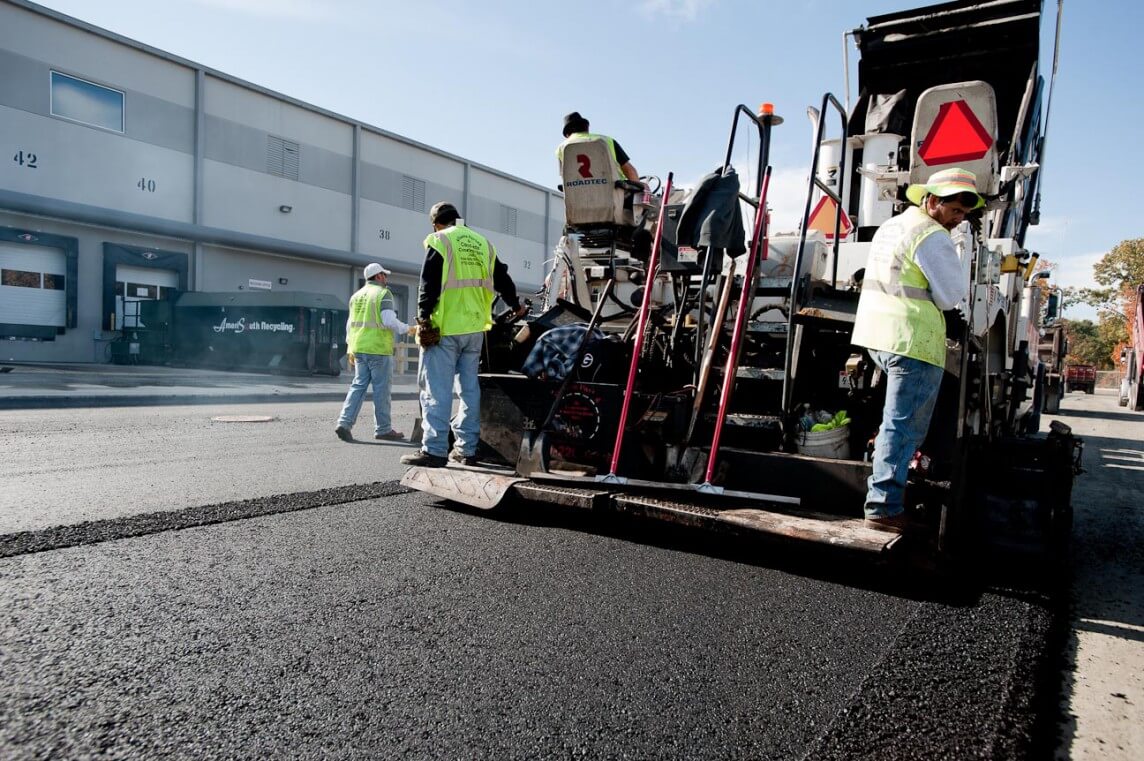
[
  {"x": 172, "y": 586},
  {"x": 72, "y": 465}
]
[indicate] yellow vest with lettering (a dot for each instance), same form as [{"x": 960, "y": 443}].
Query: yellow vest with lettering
[
  {"x": 467, "y": 291},
  {"x": 896, "y": 312},
  {"x": 365, "y": 334}
]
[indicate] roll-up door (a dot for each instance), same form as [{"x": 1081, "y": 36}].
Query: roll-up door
[
  {"x": 140, "y": 284},
  {"x": 33, "y": 285}
]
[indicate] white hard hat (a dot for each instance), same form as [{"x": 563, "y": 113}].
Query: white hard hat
[{"x": 374, "y": 269}]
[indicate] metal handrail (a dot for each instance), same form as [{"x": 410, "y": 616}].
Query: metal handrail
[
  {"x": 764, "y": 143},
  {"x": 796, "y": 282},
  {"x": 758, "y": 242},
  {"x": 763, "y": 124}
]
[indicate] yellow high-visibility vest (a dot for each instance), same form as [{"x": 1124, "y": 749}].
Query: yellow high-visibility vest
[
  {"x": 467, "y": 291},
  {"x": 364, "y": 333},
  {"x": 896, "y": 312}
]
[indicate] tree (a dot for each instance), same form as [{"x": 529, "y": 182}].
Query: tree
[
  {"x": 1119, "y": 271},
  {"x": 1083, "y": 342},
  {"x": 1091, "y": 344},
  {"x": 1123, "y": 265}
]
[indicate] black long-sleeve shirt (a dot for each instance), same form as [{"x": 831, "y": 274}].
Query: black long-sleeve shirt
[{"x": 430, "y": 290}]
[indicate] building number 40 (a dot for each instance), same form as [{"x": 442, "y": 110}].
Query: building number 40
[{"x": 147, "y": 186}]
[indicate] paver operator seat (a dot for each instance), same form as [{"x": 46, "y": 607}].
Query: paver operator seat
[{"x": 597, "y": 198}]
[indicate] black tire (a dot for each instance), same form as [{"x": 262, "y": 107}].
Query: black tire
[
  {"x": 1052, "y": 399},
  {"x": 1090, "y": 390}
]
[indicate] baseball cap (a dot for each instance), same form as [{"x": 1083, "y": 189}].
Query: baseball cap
[
  {"x": 443, "y": 212},
  {"x": 373, "y": 269}
]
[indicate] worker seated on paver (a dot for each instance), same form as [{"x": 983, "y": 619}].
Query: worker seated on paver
[{"x": 599, "y": 184}]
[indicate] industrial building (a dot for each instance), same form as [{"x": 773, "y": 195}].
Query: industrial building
[{"x": 131, "y": 174}]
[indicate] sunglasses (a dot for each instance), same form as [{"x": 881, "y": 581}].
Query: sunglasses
[{"x": 966, "y": 199}]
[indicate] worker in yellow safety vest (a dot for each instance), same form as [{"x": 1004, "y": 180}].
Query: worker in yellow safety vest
[
  {"x": 370, "y": 329},
  {"x": 576, "y": 131},
  {"x": 913, "y": 274},
  {"x": 460, "y": 278}
]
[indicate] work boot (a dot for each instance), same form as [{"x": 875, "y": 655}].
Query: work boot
[
  {"x": 344, "y": 433},
  {"x": 895, "y": 524},
  {"x": 424, "y": 459},
  {"x": 463, "y": 459},
  {"x": 392, "y": 435}
]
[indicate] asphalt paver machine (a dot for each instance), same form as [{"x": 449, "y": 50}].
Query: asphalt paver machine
[{"x": 711, "y": 381}]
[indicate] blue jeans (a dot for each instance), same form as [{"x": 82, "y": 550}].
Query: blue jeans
[
  {"x": 378, "y": 370},
  {"x": 911, "y": 390},
  {"x": 456, "y": 357}
]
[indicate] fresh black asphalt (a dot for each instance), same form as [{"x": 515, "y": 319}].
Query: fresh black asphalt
[{"x": 371, "y": 622}]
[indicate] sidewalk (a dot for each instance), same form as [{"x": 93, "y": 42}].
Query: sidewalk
[{"x": 32, "y": 386}]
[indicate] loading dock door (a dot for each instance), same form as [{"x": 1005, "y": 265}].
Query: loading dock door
[
  {"x": 32, "y": 285},
  {"x": 140, "y": 284}
]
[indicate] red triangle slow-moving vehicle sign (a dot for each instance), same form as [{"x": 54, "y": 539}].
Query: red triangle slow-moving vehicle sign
[{"x": 956, "y": 135}]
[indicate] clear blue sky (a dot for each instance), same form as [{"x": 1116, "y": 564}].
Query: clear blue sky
[{"x": 491, "y": 79}]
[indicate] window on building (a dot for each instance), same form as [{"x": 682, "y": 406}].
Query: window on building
[
  {"x": 508, "y": 219},
  {"x": 53, "y": 282},
  {"x": 412, "y": 193},
  {"x": 20, "y": 278},
  {"x": 282, "y": 157},
  {"x": 142, "y": 291},
  {"x": 86, "y": 102}
]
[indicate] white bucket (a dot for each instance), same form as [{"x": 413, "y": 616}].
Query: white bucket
[{"x": 834, "y": 443}]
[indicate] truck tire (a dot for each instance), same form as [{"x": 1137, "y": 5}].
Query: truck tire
[
  {"x": 1135, "y": 397},
  {"x": 1052, "y": 399},
  {"x": 1090, "y": 389}
]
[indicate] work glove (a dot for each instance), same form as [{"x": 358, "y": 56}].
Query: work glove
[
  {"x": 427, "y": 335},
  {"x": 351, "y": 360},
  {"x": 411, "y": 330}
]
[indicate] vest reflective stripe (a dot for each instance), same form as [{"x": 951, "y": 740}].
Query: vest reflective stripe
[
  {"x": 364, "y": 332},
  {"x": 903, "y": 291},
  {"x": 896, "y": 312},
  {"x": 583, "y": 137},
  {"x": 467, "y": 289}
]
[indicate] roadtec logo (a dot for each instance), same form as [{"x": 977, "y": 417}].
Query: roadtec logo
[
  {"x": 579, "y": 183},
  {"x": 241, "y": 326}
]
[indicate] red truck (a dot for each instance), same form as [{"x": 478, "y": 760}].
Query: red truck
[{"x": 1081, "y": 378}]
